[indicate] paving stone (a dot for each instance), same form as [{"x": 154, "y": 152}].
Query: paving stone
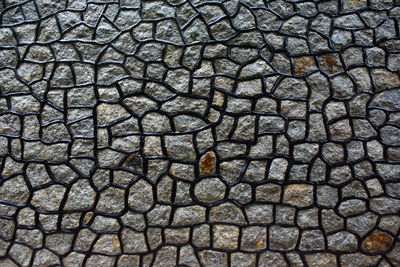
[
  {"x": 227, "y": 213},
  {"x": 283, "y": 238},
  {"x": 267, "y": 258},
  {"x": 187, "y": 256},
  {"x": 210, "y": 190},
  {"x": 377, "y": 242},
  {"x": 308, "y": 218},
  {"x": 312, "y": 240},
  {"x": 177, "y": 236},
  {"x": 188, "y": 215},
  {"x": 359, "y": 259},
  {"x": 331, "y": 221},
  {"x": 132, "y": 241},
  {"x": 259, "y": 213},
  {"x": 254, "y": 238},
  {"x": 268, "y": 192},
  {"x": 111, "y": 200},
  {"x": 321, "y": 258},
  {"x": 49, "y": 198},
  {"x": 284, "y": 215},
  {"x": 81, "y": 196},
  {"x": 60, "y": 243},
  {"x": 243, "y": 259},
  {"x": 21, "y": 254},
  {"x": 327, "y": 196},
  {"x": 300, "y": 195},
  {"x": 342, "y": 241},
  {"x": 225, "y": 237},
  {"x": 140, "y": 196},
  {"x": 213, "y": 258}
]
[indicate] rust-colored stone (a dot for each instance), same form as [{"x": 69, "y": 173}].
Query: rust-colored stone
[
  {"x": 302, "y": 65},
  {"x": 377, "y": 243},
  {"x": 330, "y": 63},
  {"x": 207, "y": 163}
]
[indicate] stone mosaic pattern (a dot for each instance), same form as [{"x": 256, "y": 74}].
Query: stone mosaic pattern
[{"x": 200, "y": 133}]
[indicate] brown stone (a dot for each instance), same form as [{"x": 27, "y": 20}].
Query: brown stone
[
  {"x": 207, "y": 163},
  {"x": 302, "y": 65},
  {"x": 377, "y": 242},
  {"x": 384, "y": 79},
  {"x": 330, "y": 63}
]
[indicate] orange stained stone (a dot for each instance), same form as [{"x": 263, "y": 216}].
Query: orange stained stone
[
  {"x": 377, "y": 242},
  {"x": 207, "y": 163},
  {"x": 330, "y": 63},
  {"x": 302, "y": 65},
  {"x": 259, "y": 244}
]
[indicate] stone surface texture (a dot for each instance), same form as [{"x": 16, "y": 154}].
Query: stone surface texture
[{"x": 200, "y": 133}]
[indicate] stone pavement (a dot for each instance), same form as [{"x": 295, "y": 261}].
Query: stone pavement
[{"x": 200, "y": 133}]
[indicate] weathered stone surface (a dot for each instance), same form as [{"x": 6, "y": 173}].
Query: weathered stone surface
[
  {"x": 15, "y": 190},
  {"x": 61, "y": 243},
  {"x": 103, "y": 224},
  {"x": 359, "y": 259},
  {"x": 268, "y": 192},
  {"x": 312, "y": 240},
  {"x": 300, "y": 195},
  {"x": 81, "y": 196},
  {"x": 283, "y": 238},
  {"x": 33, "y": 238},
  {"x": 49, "y": 198},
  {"x": 242, "y": 193},
  {"x": 108, "y": 244},
  {"x": 45, "y": 257},
  {"x": 140, "y": 196},
  {"x": 227, "y": 213},
  {"x": 225, "y": 237},
  {"x": 342, "y": 241},
  {"x": 319, "y": 259},
  {"x": 284, "y": 215},
  {"x": 270, "y": 258},
  {"x": 254, "y": 238},
  {"x": 259, "y": 213},
  {"x": 352, "y": 207},
  {"x": 278, "y": 169},
  {"x": 21, "y": 254},
  {"x": 189, "y": 215},
  {"x": 243, "y": 259},
  {"x": 133, "y": 242},
  {"x": 377, "y": 242},
  {"x": 340, "y": 174},
  {"x": 207, "y": 163},
  {"x": 166, "y": 256},
  {"x": 210, "y": 190},
  {"x": 177, "y": 236},
  {"x": 327, "y": 196},
  {"x": 111, "y": 200},
  {"x": 384, "y": 205}
]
